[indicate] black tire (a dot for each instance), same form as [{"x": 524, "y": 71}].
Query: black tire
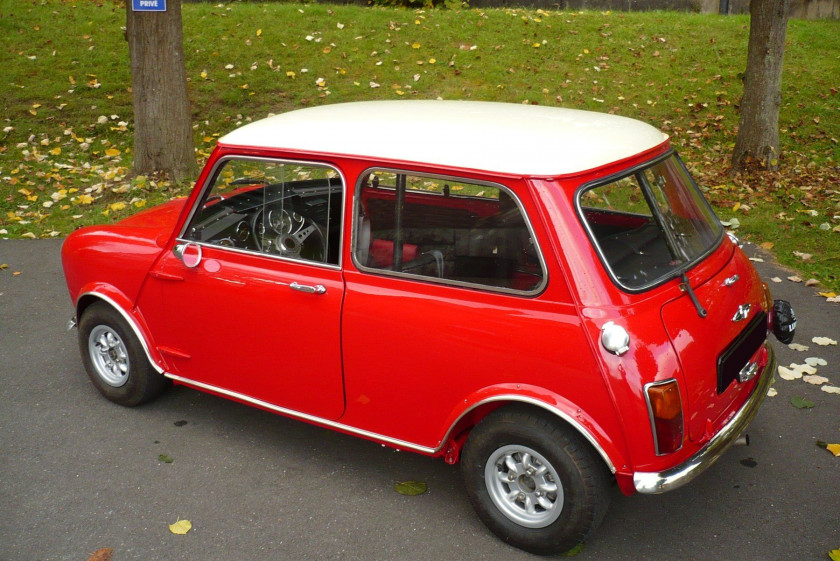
[
  {"x": 115, "y": 360},
  {"x": 561, "y": 459}
]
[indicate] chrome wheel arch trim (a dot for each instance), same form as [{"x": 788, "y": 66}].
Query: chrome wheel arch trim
[
  {"x": 514, "y": 398},
  {"x": 130, "y": 320}
]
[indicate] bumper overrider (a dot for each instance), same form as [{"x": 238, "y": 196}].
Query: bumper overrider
[{"x": 677, "y": 476}]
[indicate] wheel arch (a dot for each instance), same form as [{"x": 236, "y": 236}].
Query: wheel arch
[
  {"x": 121, "y": 304},
  {"x": 474, "y": 411}
]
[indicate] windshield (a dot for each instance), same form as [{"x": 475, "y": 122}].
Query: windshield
[{"x": 651, "y": 224}]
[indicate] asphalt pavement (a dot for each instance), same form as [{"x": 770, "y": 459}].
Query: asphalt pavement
[{"x": 78, "y": 473}]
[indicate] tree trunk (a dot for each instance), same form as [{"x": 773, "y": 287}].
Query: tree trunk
[
  {"x": 163, "y": 139},
  {"x": 758, "y": 128}
]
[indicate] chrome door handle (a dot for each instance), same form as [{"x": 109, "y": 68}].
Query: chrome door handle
[{"x": 317, "y": 289}]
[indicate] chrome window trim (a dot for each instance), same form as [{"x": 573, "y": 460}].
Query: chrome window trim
[
  {"x": 593, "y": 240},
  {"x": 211, "y": 178},
  {"x": 443, "y": 281}
]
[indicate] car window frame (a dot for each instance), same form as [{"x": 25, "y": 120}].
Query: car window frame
[
  {"x": 536, "y": 291},
  {"x": 211, "y": 181}
]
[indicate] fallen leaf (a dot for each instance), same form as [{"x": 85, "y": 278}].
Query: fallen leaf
[
  {"x": 797, "y": 347},
  {"x": 803, "y": 256},
  {"x": 776, "y": 279},
  {"x": 830, "y": 389},
  {"x": 833, "y": 448},
  {"x": 794, "y": 278},
  {"x": 815, "y": 380},
  {"x": 801, "y": 402},
  {"x": 788, "y": 374},
  {"x": 827, "y": 294},
  {"x": 803, "y": 368},
  {"x": 814, "y": 361},
  {"x": 574, "y": 551},
  {"x": 165, "y": 459},
  {"x": 812, "y": 282},
  {"x": 772, "y": 392},
  {"x": 767, "y": 245},
  {"x": 180, "y": 527},
  {"x": 824, "y": 341},
  {"x": 101, "y": 554},
  {"x": 410, "y": 488},
  {"x": 834, "y": 555}
]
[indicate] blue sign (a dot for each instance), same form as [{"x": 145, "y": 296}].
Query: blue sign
[{"x": 148, "y": 5}]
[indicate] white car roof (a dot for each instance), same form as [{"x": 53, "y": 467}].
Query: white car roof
[{"x": 496, "y": 137}]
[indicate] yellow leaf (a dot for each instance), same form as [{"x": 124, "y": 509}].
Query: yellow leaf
[
  {"x": 736, "y": 206},
  {"x": 828, "y": 294},
  {"x": 203, "y": 74},
  {"x": 180, "y": 527},
  {"x": 117, "y": 206},
  {"x": 56, "y": 151},
  {"x": 259, "y": 32},
  {"x": 84, "y": 199},
  {"x": 140, "y": 204},
  {"x": 415, "y": 46},
  {"x": 834, "y": 449},
  {"x": 112, "y": 152}
]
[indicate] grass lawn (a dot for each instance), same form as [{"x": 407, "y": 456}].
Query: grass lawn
[{"x": 66, "y": 131}]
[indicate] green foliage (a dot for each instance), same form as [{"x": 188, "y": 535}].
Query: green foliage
[{"x": 66, "y": 133}]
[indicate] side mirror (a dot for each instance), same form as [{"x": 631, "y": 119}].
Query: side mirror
[{"x": 189, "y": 254}]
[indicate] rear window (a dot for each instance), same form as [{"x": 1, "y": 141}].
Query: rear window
[{"x": 650, "y": 224}]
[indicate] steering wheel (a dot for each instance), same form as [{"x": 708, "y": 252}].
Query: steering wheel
[{"x": 287, "y": 233}]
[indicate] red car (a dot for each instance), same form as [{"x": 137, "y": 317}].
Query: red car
[{"x": 541, "y": 293}]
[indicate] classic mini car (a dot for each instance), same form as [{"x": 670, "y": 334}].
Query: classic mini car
[{"x": 541, "y": 293}]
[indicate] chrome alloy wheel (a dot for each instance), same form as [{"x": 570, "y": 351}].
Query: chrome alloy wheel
[
  {"x": 109, "y": 355},
  {"x": 524, "y": 486}
]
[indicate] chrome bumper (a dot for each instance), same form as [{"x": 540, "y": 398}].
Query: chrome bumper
[{"x": 677, "y": 476}]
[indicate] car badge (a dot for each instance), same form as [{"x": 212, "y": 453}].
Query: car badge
[{"x": 742, "y": 313}]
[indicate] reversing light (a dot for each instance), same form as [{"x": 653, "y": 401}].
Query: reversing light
[{"x": 666, "y": 416}]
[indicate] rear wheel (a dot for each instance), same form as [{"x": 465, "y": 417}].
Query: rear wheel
[
  {"x": 115, "y": 360},
  {"x": 533, "y": 481}
]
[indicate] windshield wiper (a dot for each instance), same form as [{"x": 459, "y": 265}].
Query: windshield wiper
[{"x": 685, "y": 286}]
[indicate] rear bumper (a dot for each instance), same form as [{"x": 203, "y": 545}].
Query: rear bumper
[{"x": 677, "y": 476}]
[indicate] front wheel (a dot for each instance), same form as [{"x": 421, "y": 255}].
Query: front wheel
[
  {"x": 115, "y": 360},
  {"x": 533, "y": 481}
]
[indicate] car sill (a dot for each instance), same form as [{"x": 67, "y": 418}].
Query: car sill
[
  {"x": 396, "y": 443},
  {"x": 660, "y": 482}
]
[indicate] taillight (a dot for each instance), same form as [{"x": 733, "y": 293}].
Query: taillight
[{"x": 666, "y": 416}]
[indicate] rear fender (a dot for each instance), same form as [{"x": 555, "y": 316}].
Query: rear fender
[{"x": 484, "y": 401}]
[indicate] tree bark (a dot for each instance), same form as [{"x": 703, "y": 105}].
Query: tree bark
[
  {"x": 163, "y": 139},
  {"x": 758, "y": 127}
]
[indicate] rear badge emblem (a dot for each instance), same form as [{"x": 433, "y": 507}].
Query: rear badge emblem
[{"x": 742, "y": 313}]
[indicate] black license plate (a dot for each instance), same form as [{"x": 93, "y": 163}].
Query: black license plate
[{"x": 735, "y": 356}]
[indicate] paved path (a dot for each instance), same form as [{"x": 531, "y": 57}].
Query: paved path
[{"x": 78, "y": 473}]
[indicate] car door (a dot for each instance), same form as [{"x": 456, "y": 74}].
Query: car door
[{"x": 248, "y": 301}]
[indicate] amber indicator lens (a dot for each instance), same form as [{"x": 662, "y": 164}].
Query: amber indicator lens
[{"x": 666, "y": 415}]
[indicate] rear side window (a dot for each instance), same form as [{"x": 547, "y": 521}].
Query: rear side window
[{"x": 447, "y": 230}]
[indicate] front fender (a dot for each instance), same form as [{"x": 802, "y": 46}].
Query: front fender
[{"x": 120, "y": 302}]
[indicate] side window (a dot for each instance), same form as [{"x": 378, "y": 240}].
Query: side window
[
  {"x": 285, "y": 209},
  {"x": 447, "y": 229}
]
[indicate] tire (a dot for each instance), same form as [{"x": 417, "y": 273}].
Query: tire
[
  {"x": 567, "y": 486},
  {"x": 114, "y": 358}
]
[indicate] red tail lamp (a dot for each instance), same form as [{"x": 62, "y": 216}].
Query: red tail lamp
[{"x": 666, "y": 416}]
